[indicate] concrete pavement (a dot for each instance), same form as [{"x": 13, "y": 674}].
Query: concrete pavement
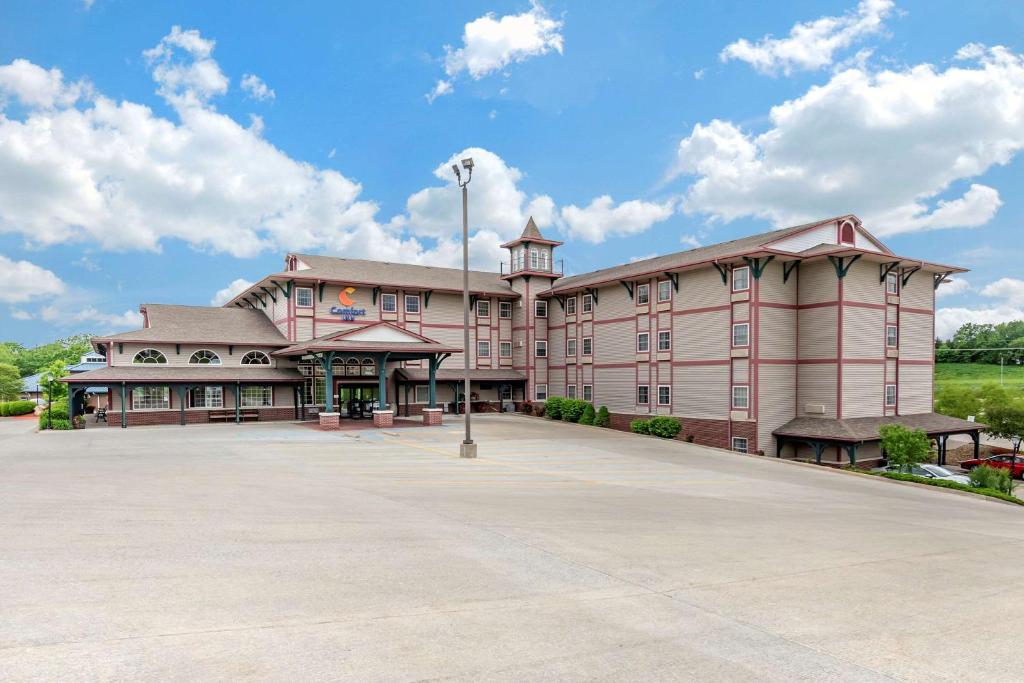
[{"x": 275, "y": 552}]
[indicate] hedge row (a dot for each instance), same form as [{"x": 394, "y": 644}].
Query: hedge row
[
  {"x": 11, "y": 408},
  {"x": 665, "y": 427},
  {"x": 576, "y": 410}
]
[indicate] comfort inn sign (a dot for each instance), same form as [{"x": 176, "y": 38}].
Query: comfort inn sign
[{"x": 347, "y": 310}]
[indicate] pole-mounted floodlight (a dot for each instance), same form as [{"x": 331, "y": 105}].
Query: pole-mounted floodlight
[{"x": 467, "y": 449}]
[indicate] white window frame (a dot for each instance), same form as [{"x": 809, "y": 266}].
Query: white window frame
[
  {"x": 534, "y": 259},
  {"x": 588, "y": 303},
  {"x": 266, "y": 391},
  {"x": 746, "y": 275},
  {"x": 425, "y": 398},
  {"x": 643, "y": 342},
  {"x": 254, "y": 353},
  {"x": 415, "y": 300},
  {"x": 504, "y": 309},
  {"x": 668, "y": 400},
  {"x": 483, "y": 348},
  {"x": 483, "y": 308},
  {"x": 538, "y": 305},
  {"x": 160, "y": 358},
  {"x": 643, "y": 294},
  {"x": 299, "y": 291},
  {"x": 570, "y": 347},
  {"x": 216, "y": 402},
  {"x": 895, "y": 337},
  {"x": 540, "y": 392},
  {"x": 746, "y": 328},
  {"x": 539, "y": 344},
  {"x": 570, "y": 391},
  {"x": 502, "y": 345},
  {"x": 664, "y": 335},
  {"x": 741, "y": 390},
  {"x": 892, "y": 284},
  {"x": 888, "y": 403},
  {"x": 666, "y": 287},
  {"x": 588, "y": 392},
  {"x": 584, "y": 344},
  {"x": 544, "y": 260},
  {"x": 213, "y": 361},
  {"x": 647, "y": 394},
  {"x": 391, "y": 307},
  {"x": 570, "y": 306},
  {"x": 736, "y": 444},
  {"x": 148, "y": 404}
]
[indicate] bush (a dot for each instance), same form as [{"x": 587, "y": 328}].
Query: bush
[
  {"x": 553, "y": 407},
  {"x": 588, "y": 416},
  {"x": 5, "y": 409},
  {"x": 665, "y": 427},
  {"x": 945, "y": 484},
  {"x": 60, "y": 412},
  {"x": 986, "y": 477},
  {"x": 904, "y": 447},
  {"x": 572, "y": 409},
  {"x": 640, "y": 426},
  {"x": 526, "y": 408},
  {"x": 603, "y": 418},
  {"x": 16, "y": 408},
  {"x": 61, "y": 424},
  {"x": 538, "y": 409}
]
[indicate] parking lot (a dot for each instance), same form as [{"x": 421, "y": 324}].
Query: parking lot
[{"x": 279, "y": 552}]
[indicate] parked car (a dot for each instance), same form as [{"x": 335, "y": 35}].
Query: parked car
[
  {"x": 932, "y": 472},
  {"x": 1002, "y": 461}
]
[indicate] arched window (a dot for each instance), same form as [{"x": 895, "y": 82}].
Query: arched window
[
  {"x": 369, "y": 367},
  {"x": 204, "y": 357},
  {"x": 352, "y": 366},
  {"x": 149, "y": 356},
  {"x": 846, "y": 233},
  {"x": 255, "y": 358}
]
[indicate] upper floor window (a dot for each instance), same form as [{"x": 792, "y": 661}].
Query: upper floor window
[
  {"x": 505, "y": 349},
  {"x": 570, "y": 306},
  {"x": 389, "y": 303},
  {"x": 540, "y": 309},
  {"x": 643, "y": 342},
  {"x": 570, "y": 346},
  {"x": 847, "y": 235},
  {"x": 483, "y": 349},
  {"x": 741, "y": 279},
  {"x": 892, "y": 336},
  {"x": 588, "y": 346},
  {"x": 588, "y": 303},
  {"x": 741, "y": 334},
  {"x": 149, "y": 356},
  {"x": 643, "y": 394},
  {"x": 255, "y": 358},
  {"x": 534, "y": 259},
  {"x": 892, "y": 283},
  {"x": 664, "y": 341},
  {"x": 412, "y": 303},
  {"x": 369, "y": 367},
  {"x": 204, "y": 357},
  {"x": 483, "y": 309},
  {"x": 664, "y": 290},
  {"x": 890, "y": 395},
  {"x": 544, "y": 261},
  {"x": 504, "y": 309},
  {"x": 643, "y": 294},
  {"x": 541, "y": 347},
  {"x": 741, "y": 396},
  {"x": 304, "y": 297}
]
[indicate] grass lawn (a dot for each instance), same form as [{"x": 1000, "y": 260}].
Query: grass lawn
[{"x": 976, "y": 374}]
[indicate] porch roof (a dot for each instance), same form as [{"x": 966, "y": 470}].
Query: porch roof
[
  {"x": 356, "y": 346},
  {"x": 453, "y": 375},
  {"x": 865, "y": 429},
  {"x": 167, "y": 374}
]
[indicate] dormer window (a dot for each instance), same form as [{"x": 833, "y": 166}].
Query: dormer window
[
  {"x": 847, "y": 234},
  {"x": 534, "y": 260}
]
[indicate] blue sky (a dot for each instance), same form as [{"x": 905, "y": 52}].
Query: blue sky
[{"x": 146, "y": 163}]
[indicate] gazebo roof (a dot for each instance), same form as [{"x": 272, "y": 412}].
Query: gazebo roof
[{"x": 865, "y": 429}]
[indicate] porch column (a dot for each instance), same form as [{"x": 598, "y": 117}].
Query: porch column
[
  {"x": 432, "y": 392},
  {"x": 851, "y": 449},
  {"x": 71, "y": 402},
  {"x": 382, "y": 398},
  {"x": 238, "y": 402},
  {"x": 819, "y": 447},
  {"x": 976, "y": 437},
  {"x": 124, "y": 399},
  {"x": 327, "y": 361},
  {"x": 181, "y": 390},
  {"x": 295, "y": 400}
]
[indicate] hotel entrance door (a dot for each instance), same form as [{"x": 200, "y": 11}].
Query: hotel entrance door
[{"x": 357, "y": 401}]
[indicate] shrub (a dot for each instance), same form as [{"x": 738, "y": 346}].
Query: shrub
[
  {"x": 553, "y": 407},
  {"x": 526, "y": 408},
  {"x": 538, "y": 409},
  {"x": 986, "y": 477},
  {"x": 61, "y": 423},
  {"x": 572, "y": 409},
  {"x": 603, "y": 418},
  {"x": 9, "y": 408},
  {"x": 5, "y": 409},
  {"x": 904, "y": 447},
  {"x": 688, "y": 438},
  {"x": 640, "y": 426},
  {"x": 588, "y": 416},
  {"x": 60, "y": 412},
  {"x": 946, "y": 484},
  {"x": 665, "y": 427}
]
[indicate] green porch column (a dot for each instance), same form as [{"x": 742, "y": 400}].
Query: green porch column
[
  {"x": 71, "y": 402},
  {"x": 327, "y": 361},
  {"x": 181, "y": 391},
  {"x": 382, "y": 387},
  {"x": 432, "y": 393},
  {"x": 238, "y": 402},
  {"x": 124, "y": 399}
]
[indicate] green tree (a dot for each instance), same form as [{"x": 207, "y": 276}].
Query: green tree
[
  {"x": 587, "y": 418},
  {"x": 48, "y": 381},
  {"x": 957, "y": 401},
  {"x": 604, "y": 418},
  {"x": 1006, "y": 422},
  {"x": 10, "y": 382},
  {"x": 905, "y": 447}
]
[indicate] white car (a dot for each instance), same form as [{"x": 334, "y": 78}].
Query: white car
[{"x": 932, "y": 472}]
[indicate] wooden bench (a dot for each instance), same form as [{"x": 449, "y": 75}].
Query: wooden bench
[{"x": 244, "y": 415}]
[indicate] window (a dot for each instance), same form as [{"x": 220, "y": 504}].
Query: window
[
  {"x": 739, "y": 444},
  {"x": 570, "y": 306},
  {"x": 846, "y": 233},
  {"x": 540, "y": 393},
  {"x": 570, "y": 391},
  {"x": 304, "y": 297},
  {"x": 255, "y": 358},
  {"x": 534, "y": 264},
  {"x": 504, "y": 309},
  {"x": 422, "y": 393},
  {"x": 544, "y": 261},
  {"x": 151, "y": 398},
  {"x": 483, "y": 309},
  {"x": 389, "y": 303},
  {"x": 570, "y": 347},
  {"x": 540, "y": 309},
  {"x": 643, "y": 342},
  {"x": 369, "y": 367},
  {"x": 204, "y": 357},
  {"x": 412, "y": 304},
  {"x": 891, "y": 336},
  {"x": 257, "y": 397},
  {"x": 505, "y": 349},
  {"x": 588, "y": 346},
  {"x": 741, "y": 397},
  {"x": 890, "y": 395},
  {"x": 643, "y": 394},
  {"x": 664, "y": 394},
  {"x": 588, "y": 303},
  {"x": 506, "y": 392},
  {"x": 313, "y": 390},
  {"x": 643, "y": 294},
  {"x": 741, "y": 334},
  {"x": 352, "y": 367},
  {"x": 588, "y": 392},
  {"x": 483, "y": 349},
  {"x": 892, "y": 284},
  {"x": 741, "y": 279},
  {"x": 541, "y": 348},
  {"x": 206, "y": 397},
  {"x": 664, "y": 290},
  {"x": 664, "y": 341},
  {"x": 148, "y": 356}
]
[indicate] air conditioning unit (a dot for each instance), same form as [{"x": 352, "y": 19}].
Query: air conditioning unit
[
  {"x": 814, "y": 408},
  {"x": 521, "y": 343}
]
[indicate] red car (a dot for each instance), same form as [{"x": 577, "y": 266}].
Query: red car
[{"x": 1016, "y": 467}]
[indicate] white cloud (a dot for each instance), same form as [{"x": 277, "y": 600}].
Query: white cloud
[
  {"x": 813, "y": 44},
  {"x": 228, "y": 293},
  {"x": 634, "y": 259},
  {"x": 953, "y": 287},
  {"x": 19, "y": 314},
  {"x": 21, "y": 281},
  {"x": 36, "y": 87},
  {"x": 100, "y": 321},
  {"x": 883, "y": 145},
  {"x": 1010, "y": 292},
  {"x": 602, "y": 218},
  {"x": 334, "y": 150},
  {"x": 190, "y": 81},
  {"x": 1010, "y": 289},
  {"x": 698, "y": 74},
  {"x": 256, "y": 88},
  {"x": 490, "y": 44},
  {"x": 691, "y": 241}
]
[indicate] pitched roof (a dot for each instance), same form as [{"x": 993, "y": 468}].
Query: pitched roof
[
  {"x": 531, "y": 230},
  {"x": 191, "y": 373},
  {"x": 857, "y": 429},
  {"x": 204, "y": 325}
]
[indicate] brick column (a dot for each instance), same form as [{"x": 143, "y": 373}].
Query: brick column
[
  {"x": 330, "y": 421},
  {"x": 432, "y": 416},
  {"x": 383, "y": 418}
]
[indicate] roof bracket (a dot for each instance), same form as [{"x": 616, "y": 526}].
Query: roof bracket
[
  {"x": 472, "y": 301},
  {"x": 939, "y": 278},
  {"x": 841, "y": 264},
  {"x": 561, "y": 301},
  {"x": 426, "y": 298},
  {"x": 271, "y": 294},
  {"x": 231, "y": 350},
  {"x": 905, "y": 275},
  {"x": 722, "y": 270},
  {"x": 262, "y": 301},
  {"x": 177, "y": 349},
  {"x": 286, "y": 290},
  {"x": 788, "y": 268},
  {"x": 239, "y": 304},
  {"x": 376, "y": 293},
  {"x": 628, "y": 286},
  {"x": 593, "y": 294},
  {"x": 885, "y": 268},
  {"x": 757, "y": 266},
  {"x": 674, "y": 277}
]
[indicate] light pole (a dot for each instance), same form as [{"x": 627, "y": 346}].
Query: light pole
[{"x": 467, "y": 449}]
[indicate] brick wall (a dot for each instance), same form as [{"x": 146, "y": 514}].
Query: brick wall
[
  {"x": 173, "y": 417},
  {"x": 704, "y": 431}
]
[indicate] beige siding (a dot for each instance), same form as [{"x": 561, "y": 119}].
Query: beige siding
[
  {"x": 918, "y": 291},
  {"x": 175, "y": 359},
  {"x": 890, "y": 371},
  {"x": 702, "y": 336},
  {"x": 861, "y": 284},
  {"x": 817, "y": 385},
  {"x": 615, "y": 343},
  {"x": 915, "y": 389},
  {"x": 863, "y": 387},
  {"x": 818, "y": 332},
  {"x": 777, "y": 333},
  {"x": 741, "y": 371},
  {"x": 701, "y": 391},
  {"x": 915, "y": 336},
  {"x": 615, "y": 388},
  {"x": 772, "y": 289},
  {"x": 863, "y": 332},
  {"x": 776, "y": 402},
  {"x": 701, "y": 288},
  {"x": 818, "y": 282}
]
